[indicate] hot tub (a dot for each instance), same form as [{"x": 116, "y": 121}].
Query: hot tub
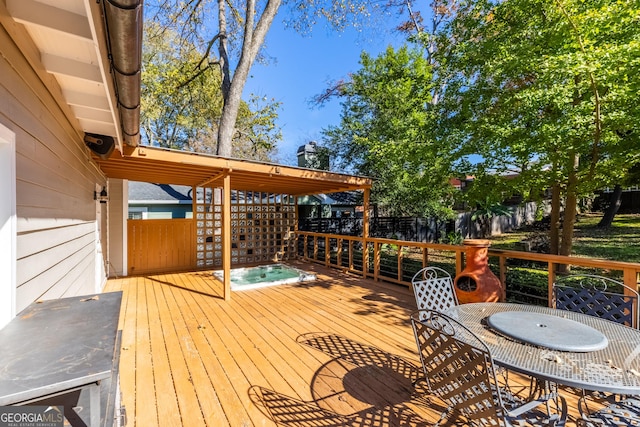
[{"x": 264, "y": 275}]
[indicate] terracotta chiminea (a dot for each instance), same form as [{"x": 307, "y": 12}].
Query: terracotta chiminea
[{"x": 477, "y": 283}]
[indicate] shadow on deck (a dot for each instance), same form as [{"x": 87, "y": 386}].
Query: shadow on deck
[{"x": 335, "y": 352}]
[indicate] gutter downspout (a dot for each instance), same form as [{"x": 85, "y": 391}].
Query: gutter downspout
[{"x": 123, "y": 22}]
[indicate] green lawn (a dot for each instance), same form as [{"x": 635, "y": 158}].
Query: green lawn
[{"x": 620, "y": 242}]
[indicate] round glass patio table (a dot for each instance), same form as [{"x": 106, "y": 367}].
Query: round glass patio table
[{"x": 614, "y": 368}]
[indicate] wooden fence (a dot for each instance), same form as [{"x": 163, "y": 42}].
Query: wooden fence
[
  {"x": 527, "y": 277},
  {"x": 160, "y": 245}
]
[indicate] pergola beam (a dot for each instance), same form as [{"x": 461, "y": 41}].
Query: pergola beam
[
  {"x": 213, "y": 179},
  {"x": 163, "y": 166}
]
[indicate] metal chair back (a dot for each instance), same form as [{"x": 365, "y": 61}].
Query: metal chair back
[
  {"x": 597, "y": 296},
  {"x": 433, "y": 289},
  {"x": 460, "y": 372}
]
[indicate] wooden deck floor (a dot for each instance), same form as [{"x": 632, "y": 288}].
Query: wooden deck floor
[{"x": 335, "y": 352}]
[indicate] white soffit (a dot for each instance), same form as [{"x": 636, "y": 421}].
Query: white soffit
[{"x": 67, "y": 40}]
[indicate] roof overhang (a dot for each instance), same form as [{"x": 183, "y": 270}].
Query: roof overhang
[
  {"x": 164, "y": 166},
  {"x": 93, "y": 51}
]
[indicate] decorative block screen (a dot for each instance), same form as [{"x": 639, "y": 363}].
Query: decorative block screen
[{"x": 262, "y": 227}]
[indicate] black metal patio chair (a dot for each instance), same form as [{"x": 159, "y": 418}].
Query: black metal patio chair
[
  {"x": 597, "y": 296},
  {"x": 622, "y": 413},
  {"x": 459, "y": 369}
]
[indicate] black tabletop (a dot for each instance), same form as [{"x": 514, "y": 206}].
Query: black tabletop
[{"x": 57, "y": 345}]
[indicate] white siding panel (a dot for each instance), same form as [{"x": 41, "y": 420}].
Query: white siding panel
[
  {"x": 7, "y": 226},
  {"x": 38, "y": 194},
  {"x": 42, "y": 240},
  {"x": 117, "y": 226},
  {"x": 55, "y": 180},
  {"x": 75, "y": 283},
  {"x": 35, "y": 264},
  {"x": 61, "y": 276},
  {"x": 60, "y": 180}
]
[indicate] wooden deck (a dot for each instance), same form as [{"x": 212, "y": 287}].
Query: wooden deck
[{"x": 335, "y": 352}]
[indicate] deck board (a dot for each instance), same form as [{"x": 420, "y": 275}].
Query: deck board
[
  {"x": 163, "y": 374},
  {"x": 337, "y": 351}
]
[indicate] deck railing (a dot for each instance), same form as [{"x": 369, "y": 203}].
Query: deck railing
[{"x": 527, "y": 276}]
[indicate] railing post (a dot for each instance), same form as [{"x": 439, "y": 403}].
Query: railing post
[
  {"x": 305, "y": 253},
  {"x": 365, "y": 257},
  {"x": 327, "y": 251},
  {"x": 365, "y": 231},
  {"x": 315, "y": 248},
  {"x": 425, "y": 257},
  {"x": 399, "y": 276},
  {"x": 339, "y": 252},
  {"x": 459, "y": 254},
  {"x": 296, "y": 224},
  {"x": 376, "y": 260},
  {"x": 551, "y": 269},
  {"x": 351, "y": 255},
  {"x": 630, "y": 278},
  {"x": 502, "y": 261}
]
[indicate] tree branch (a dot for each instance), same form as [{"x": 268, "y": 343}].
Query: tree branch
[
  {"x": 235, "y": 12},
  {"x": 207, "y": 52},
  {"x": 413, "y": 16},
  {"x": 336, "y": 89},
  {"x": 201, "y": 71}
]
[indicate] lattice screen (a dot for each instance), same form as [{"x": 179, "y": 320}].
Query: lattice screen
[{"x": 262, "y": 227}]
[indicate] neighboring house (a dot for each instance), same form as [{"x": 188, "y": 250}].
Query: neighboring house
[
  {"x": 159, "y": 201},
  {"x": 346, "y": 204}
]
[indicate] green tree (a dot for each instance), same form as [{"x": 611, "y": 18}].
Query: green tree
[
  {"x": 545, "y": 92},
  {"x": 230, "y": 36},
  {"x": 386, "y": 131},
  {"x": 615, "y": 200},
  {"x": 183, "y": 112}
]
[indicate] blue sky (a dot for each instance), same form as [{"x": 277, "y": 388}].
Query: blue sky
[{"x": 300, "y": 68}]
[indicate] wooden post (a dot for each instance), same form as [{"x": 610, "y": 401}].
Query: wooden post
[
  {"x": 351, "y": 255},
  {"x": 503, "y": 276},
  {"x": 315, "y": 247},
  {"x": 327, "y": 251},
  {"x": 399, "y": 276},
  {"x": 459, "y": 261},
  {"x": 552, "y": 278},
  {"x": 305, "y": 253},
  {"x": 365, "y": 214},
  {"x": 295, "y": 227},
  {"x": 226, "y": 235},
  {"x": 376, "y": 261},
  {"x": 365, "y": 233},
  {"x": 194, "y": 225},
  {"x": 630, "y": 277}
]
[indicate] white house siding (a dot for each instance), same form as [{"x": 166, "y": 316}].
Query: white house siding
[
  {"x": 117, "y": 227},
  {"x": 55, "y": 179},
  {"x": 7, "y": 225}
]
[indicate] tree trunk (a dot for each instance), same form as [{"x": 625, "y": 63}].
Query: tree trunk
[
  {"x": 554, "y": 232},
  {"x": 223, "y": 51},
  {"x": 253, "y": 39},
  {"x": 614, "y": 204},
  {"x": 570, "y": 213}
]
